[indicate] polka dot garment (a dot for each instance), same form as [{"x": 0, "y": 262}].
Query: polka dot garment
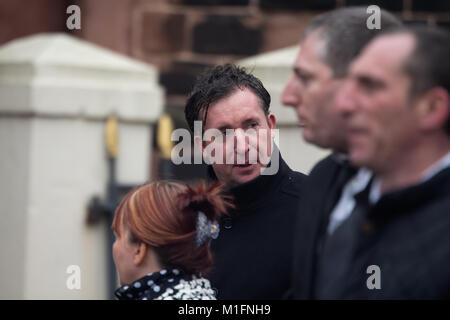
[{"x": 167, "y": 284}]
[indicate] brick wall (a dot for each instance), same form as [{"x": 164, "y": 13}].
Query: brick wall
[
  {"x": 19, "y": 18},
  {"x": 182, "y": 37}
]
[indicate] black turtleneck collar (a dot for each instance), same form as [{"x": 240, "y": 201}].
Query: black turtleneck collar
[
  {"x": 253, "y": 192},
  {"x": 406, "y": 200}
]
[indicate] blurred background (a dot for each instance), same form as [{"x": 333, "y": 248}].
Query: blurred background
[{"x": 86, "y": 114}]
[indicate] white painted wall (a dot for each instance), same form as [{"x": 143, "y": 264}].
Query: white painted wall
[{"x": 56, "y": 92}]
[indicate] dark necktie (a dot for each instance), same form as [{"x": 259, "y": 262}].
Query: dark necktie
[
  {"x": 345, "y": 173},
  {"x": 337, "y": 251}
]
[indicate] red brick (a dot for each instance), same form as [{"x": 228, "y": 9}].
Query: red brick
[
  {"x": 227, "y": 34},
  {"x": 289, "y": 26},
  {"x": 163, "y": 32},
  {"x": 20, "y": 18}
]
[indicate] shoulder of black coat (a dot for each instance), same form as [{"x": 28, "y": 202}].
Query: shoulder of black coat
[
  {"x": 324, "y": 169},
  {"x": 293, "y": 183}
]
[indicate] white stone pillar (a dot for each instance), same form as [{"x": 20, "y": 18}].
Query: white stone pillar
[
  {"x": 56, "y": 92},
  {"x": 274, "y": 70}
]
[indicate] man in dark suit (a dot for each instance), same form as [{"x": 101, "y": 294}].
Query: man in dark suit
[
  {"x": 396, "y": 104},
  {"x": 327, "y": 47}
]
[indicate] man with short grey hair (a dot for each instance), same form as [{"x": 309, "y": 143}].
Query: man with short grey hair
[
  {"x": 327, "y": 47},
  {"x": 396, "y": 102}
]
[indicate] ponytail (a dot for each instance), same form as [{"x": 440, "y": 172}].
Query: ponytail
[{"x": 176, "y": 220}]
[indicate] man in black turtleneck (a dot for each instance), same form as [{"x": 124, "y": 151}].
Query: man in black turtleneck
[{"x": 253, "y": 254}]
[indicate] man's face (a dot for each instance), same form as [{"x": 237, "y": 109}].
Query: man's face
[
  {"x": 239, "y": 112},
  {"x": 311, "y": 91},
  {"x": 382, "y": 122}
]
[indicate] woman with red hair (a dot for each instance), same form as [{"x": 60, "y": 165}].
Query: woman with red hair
[{"x": 163, "y": 230}]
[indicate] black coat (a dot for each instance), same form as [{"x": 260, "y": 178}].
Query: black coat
[
  {"x": 253, "y": 253},
  {"x": 323, "y": 189},
  {"x": 407, "y": 235}
]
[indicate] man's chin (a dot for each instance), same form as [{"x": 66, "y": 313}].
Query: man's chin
[
  {"x": 307, "y": 135},
  {"x": 359, "y": 158},
  {"x": 247, "y": 173}
]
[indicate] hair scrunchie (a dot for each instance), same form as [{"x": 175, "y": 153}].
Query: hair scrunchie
[{"x": 205, "y": 229}]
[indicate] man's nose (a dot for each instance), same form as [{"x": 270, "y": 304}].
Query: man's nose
[
  {"x": 241, "y": 144},
  {"x": 291, "y": 94},
  {"x": 344, "y": 100}
]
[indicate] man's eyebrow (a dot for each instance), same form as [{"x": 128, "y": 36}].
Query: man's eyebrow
[
  {"x": 223, "y": 127},
  {"x": 296, "y": 70},
  {"x": 300, "y": 72},
  {"x": 251, "y": 119},
  {"x": 365, "y": 79}
]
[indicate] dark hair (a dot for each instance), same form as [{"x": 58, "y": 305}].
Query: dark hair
[
  {"x": 218, "y": 83},
  {"x": 428, "y": 65},
  {"x": 163, "y": 215},
  {"x": 345, "y": 33}
]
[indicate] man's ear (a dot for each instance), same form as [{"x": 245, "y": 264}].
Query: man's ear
[
  {"x": 272, "y": 121},
  {"x": 140, "y": 250},
  {"x": 433, "y": 109},
  {"x": 198, "y": 143},
  {"x": 199, "y": 147}
]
